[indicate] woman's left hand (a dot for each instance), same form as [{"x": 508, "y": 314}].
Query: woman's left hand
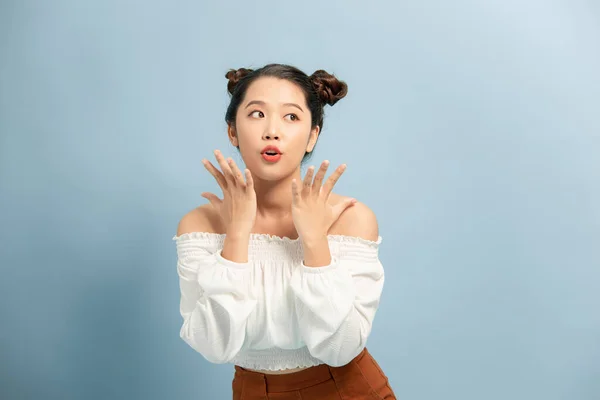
[{"x": 311, "y": 212}]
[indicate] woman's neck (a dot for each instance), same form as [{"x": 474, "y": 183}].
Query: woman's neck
[{"x": 274, "y": 198}]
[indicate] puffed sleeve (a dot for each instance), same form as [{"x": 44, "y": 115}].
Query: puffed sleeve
[
  {"x": 336, "y": 304},
  {"x": 216, "y": 299}
]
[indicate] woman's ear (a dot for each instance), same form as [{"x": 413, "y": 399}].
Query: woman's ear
[
  {"x": 312, "y": 139},
  {"x": 232, "y": 135}
]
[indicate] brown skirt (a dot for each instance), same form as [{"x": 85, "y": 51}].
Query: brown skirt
[{"x": 361, "y": 378}]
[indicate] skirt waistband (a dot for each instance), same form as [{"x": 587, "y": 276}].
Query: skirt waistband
[{"x": 295, "y": 380}]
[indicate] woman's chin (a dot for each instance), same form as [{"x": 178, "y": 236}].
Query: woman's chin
[{"x": 270, "y": 174}]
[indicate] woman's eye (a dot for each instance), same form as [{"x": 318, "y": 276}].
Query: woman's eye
[
  {"x": 293, "y": 117},
  {"x": 259, "y": 112}
]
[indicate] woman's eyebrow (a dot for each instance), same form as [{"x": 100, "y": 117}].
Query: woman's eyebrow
[{"x": 262, "y": 103}]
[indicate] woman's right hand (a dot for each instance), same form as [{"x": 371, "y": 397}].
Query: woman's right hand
[{"x": 238, "y": 206}]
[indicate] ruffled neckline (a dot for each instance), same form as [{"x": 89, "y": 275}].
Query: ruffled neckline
[{"x": 265, "y": 237}]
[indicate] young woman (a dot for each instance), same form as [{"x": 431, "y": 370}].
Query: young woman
[{"x": 281, "y": 277}]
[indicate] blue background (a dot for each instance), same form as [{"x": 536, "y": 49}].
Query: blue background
[{"x": 471, "y": 128}]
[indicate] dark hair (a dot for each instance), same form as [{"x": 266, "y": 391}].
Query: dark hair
[{"x": 319, "y": 89}]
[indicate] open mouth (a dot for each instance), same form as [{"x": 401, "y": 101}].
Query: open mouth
[{"x": 271, "y": 156}]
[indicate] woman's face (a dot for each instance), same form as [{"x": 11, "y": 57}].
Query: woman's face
[{"x": 273, "y": 112}]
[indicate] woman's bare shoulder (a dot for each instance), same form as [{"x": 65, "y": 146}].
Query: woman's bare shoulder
[
  {"x": 203, "y": 218},
  {"x": 357, "y": 220}
]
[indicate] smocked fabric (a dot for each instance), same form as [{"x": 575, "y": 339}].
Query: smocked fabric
[{"x": 274, "y": 312}]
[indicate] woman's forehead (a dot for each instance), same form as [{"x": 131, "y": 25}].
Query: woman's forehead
[{"x": 274, "y": 90}]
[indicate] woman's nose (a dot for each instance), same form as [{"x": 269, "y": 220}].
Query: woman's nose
[
  {"x": 271, "y": 135},
  {"x": 272, "y": 131}
]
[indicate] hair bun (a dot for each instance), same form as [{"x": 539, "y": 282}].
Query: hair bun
[
  {"x": 329, "y": 88},
  {"x": 234, "y": 76}
]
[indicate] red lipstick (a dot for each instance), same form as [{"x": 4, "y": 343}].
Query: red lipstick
[{"x": 271, "y": 154}]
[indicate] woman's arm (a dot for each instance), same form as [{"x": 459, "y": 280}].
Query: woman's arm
[
  {"x": 215, "y": 296},
  {"x": 336, "y": 303}
]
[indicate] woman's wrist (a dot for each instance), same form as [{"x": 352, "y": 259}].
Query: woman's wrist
[
  {"x": 316, "y": 251},
  {"x": 235, "y": 247}
]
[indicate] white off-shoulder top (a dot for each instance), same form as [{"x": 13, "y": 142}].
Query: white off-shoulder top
[{"x": 274, "y": 312}]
